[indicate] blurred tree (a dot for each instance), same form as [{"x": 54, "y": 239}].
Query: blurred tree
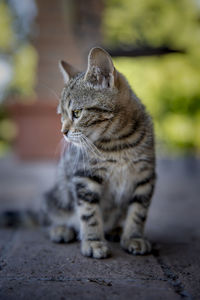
[
  {"x": 152, "y": 22},
  {"x": 169, "y": 85},
  {"x": 18, "y": 59}
]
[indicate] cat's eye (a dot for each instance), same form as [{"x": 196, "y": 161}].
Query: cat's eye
[{"x": 76, "y": 113}]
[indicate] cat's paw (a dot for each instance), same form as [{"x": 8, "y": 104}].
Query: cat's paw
[
  {"x": 136, "y": 246},
  {"x": 95, "y": 249},
  {"x": 61, "y": 234}
]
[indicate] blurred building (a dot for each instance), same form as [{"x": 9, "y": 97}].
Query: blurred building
[{"x": 65, "y": 29}]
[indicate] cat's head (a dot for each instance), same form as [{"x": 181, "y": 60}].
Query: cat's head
[{"x": 89, "y": 100}]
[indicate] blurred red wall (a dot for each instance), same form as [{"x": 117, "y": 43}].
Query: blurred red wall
[{"x": 65, "y": 29}]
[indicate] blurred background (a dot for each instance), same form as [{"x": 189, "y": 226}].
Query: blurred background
[{"x": 155, "y": 43}]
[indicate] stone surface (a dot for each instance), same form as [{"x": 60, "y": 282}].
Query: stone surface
[{"x": 31, "y": 267}]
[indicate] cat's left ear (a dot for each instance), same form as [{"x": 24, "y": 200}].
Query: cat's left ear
[
  {"x": 67, "y": 70},
  {"x": 100, "y": 71}
]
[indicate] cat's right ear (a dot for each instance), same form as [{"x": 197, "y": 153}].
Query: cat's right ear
[
  {"x": 100, "y": 71},
  {"x": 67, "y": 71}
]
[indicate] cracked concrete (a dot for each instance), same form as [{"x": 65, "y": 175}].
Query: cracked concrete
[{"x": 31, "y": 267}]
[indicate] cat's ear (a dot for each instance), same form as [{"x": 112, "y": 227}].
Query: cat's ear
[
  {"x": 67, "y": 70},
  {"x": 100, "y": 71}
]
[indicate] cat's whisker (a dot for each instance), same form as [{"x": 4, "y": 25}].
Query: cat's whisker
[
  {"x": 89, "y": 147},
  {"x": 82, "y": 148},
  {"x": 64, "y": 145},
  {"x": 50, "y": 89},
  {"x": 86, "y": 149},
  {"x": 92, "y": 147},
  {"x": 77, "y": 156},
  {"x": 73, "y": 149},
  {"x": 87, "y": 142},
  {"x": 60, "y": 148},
  {"x": 97, "y": 160}
]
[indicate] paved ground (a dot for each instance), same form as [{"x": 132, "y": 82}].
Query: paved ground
[{"x": 31, "y": 267}]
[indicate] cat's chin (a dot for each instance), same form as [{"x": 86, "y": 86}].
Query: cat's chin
[
  {"x": 66, "y": 139},
  {"x": 76, "y": 144},
  {"x": 72, "y": 142}
]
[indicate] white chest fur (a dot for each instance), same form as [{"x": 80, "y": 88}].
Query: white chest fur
[{"x": 121, "y": 183}]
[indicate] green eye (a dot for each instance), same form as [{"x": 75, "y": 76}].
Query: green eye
[{"x": 76, "y": 113}]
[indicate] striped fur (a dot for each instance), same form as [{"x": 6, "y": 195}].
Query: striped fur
[{"x": 107, "y": 175}]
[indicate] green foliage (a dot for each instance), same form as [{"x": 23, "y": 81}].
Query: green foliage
[
  {"x": 170, "y": 88},
  {"x": 18, "y": 61},
  {"x": 154, "y": 22},
  {"x": 17, "y": 52},
  {"x": 168, "y": 85},
  {"x": 25, "y": 62},
  {"x": 7, "y": 37},
  {"x": 8, "y": 131}
]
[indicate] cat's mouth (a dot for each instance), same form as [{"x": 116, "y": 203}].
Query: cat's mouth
[
  {"x": 74, "y": 139},
  {"x": 80, "y": 140}
]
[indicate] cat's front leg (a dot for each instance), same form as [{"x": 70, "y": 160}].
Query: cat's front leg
[
  {"x": 132, "y": 239},
  {"x": 93, "y": 243}
]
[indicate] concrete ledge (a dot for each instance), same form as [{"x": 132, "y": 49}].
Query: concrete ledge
[{"x": 31, "y": 267}]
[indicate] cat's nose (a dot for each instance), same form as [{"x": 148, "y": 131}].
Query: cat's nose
[{"x": 65, "y": 132}]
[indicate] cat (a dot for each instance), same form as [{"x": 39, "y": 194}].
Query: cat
[{"x": 107, "y": 174}]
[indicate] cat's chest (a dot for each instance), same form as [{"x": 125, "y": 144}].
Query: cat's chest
[{"x": 120, "y": 182}]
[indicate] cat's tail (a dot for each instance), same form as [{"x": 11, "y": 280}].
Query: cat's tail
[{"x": 17, "y": 218}]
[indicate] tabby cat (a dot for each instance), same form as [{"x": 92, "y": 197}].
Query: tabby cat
[{"x": 106, "y": 176}]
